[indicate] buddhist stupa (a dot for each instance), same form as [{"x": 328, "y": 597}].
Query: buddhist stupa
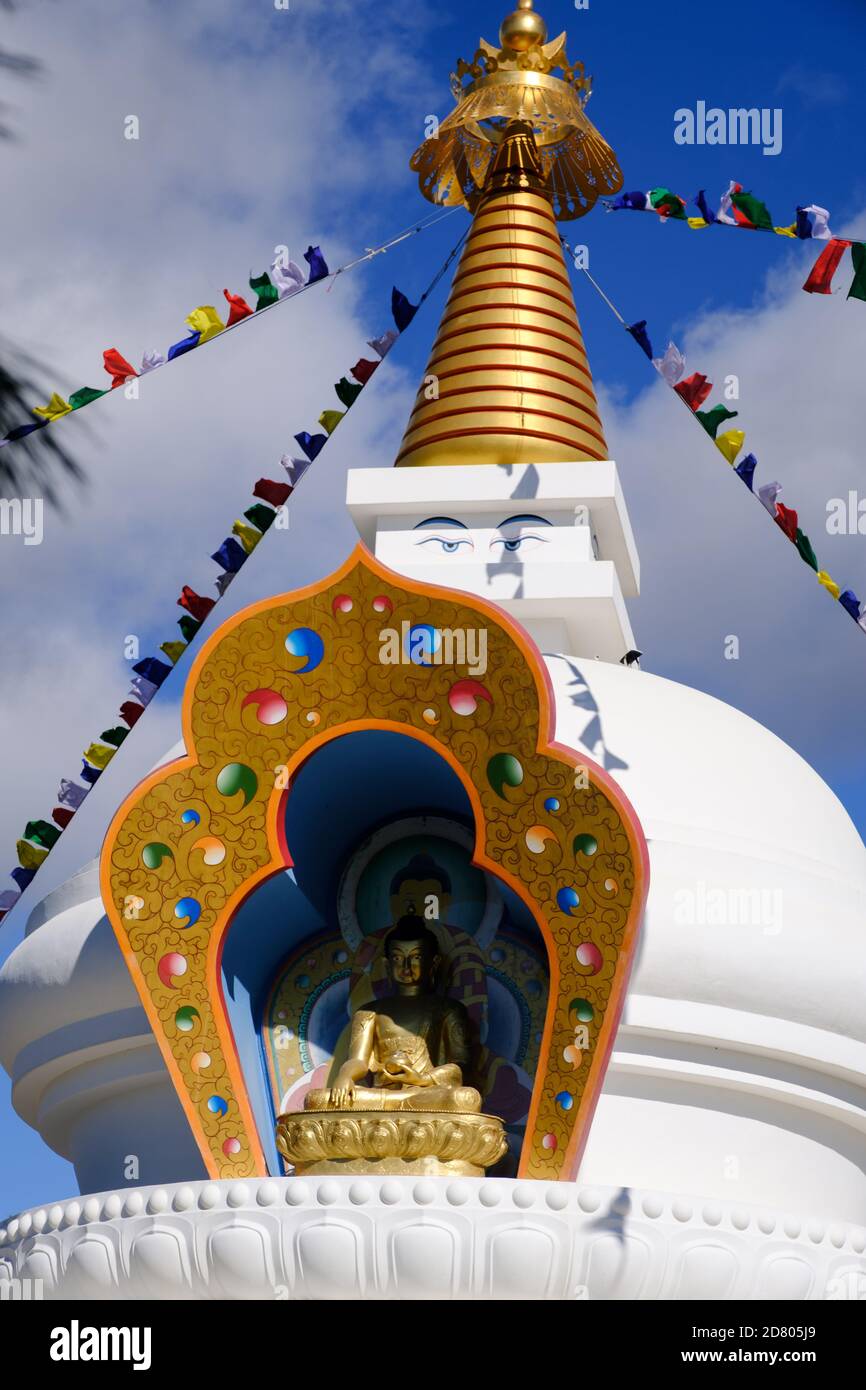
[{"x": 655, "y": 964}]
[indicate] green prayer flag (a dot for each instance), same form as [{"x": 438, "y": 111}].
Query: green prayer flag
[
  {"x": 711, "y": 419},
  {"x": 347, "y": 392},
  {"x": 84, "y": 395},
  {"x": 754, "y": 209},
  {"x": 188, "y": 626},
  {"x": 266, "y": 293},
  {"x": 804, "y": 545},
  {"x": 260, "y": 516},
  {"x": 663, "y": 200},
  {"x": 858, "y": 256},
  {"x": 115, "y": 736},
  {"x": 42, "y": 833}
]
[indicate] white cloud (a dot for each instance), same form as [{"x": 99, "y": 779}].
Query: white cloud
[{"x": 244, "y": 146}]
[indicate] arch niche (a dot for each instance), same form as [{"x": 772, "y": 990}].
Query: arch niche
[{"x": 278, "y": 681}]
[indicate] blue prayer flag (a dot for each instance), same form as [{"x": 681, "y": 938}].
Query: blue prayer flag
[
  {"x": 704, "y": 208},
  {"x": 152, "y": 670},
  {"x": 317, "y": 263},
  {"x": 746, "y": 470},
  {"x": 24, "y": 430},
  {"x": 230, "y": 556},
  {"x": 638, "y": 202},
  {"x": 312, "y": 444},
  {"x": 641, "y": 337},
  {"x": 403, "y": 311},
  {"x": 185, "y": 345},
  {"x": 851, "y": 603}
]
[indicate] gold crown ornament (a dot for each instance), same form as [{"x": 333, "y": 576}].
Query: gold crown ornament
[{"x": 529, "y": 80}]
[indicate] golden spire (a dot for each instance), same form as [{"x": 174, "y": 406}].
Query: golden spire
[
  {"x": 508, "y": 380},
  {"x": 526, "y": 79}
]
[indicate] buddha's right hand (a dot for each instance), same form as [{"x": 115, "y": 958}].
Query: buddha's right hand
[{"x": 343, "y": 1094}]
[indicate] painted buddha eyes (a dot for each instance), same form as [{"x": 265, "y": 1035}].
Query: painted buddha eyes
[
  {"x": 451, "y": 542},
  {"x": 512, "y": 544},
  {"x": 447, "y": 545}
]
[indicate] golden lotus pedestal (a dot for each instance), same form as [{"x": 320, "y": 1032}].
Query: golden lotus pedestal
[{"x": 434, "y": 1143}]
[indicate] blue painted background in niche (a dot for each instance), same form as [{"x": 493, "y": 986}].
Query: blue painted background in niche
[{"x": 346, "y": 791}]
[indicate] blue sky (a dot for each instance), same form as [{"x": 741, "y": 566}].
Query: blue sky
[{"x": 262, "y": 127}]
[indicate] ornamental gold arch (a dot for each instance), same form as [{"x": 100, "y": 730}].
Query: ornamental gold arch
[{"x": 274, "y": 684}]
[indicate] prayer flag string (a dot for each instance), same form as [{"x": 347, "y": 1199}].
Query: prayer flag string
[
  {"x": 149, "y": 674},
  {"x": 740, "y": 209},
  {"x": 283, "y": 281},
  {"x": 693, "y": 391}
]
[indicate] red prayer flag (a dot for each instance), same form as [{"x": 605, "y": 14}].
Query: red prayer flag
[
  {"x": 269, "y": 491},
  {"x": 786, "y": 517},
  {"x": 238, "y": 308},
  {"x": 821, "y": 277},
  {"x": 363, "y": 370},
  {"x": 194, "y": 603},
  {"x": 130, "y": 712},
  {"x": 62, "y": 816},
  {"x": 117, "y": 367},
  {"x": 694, "y": 390}
]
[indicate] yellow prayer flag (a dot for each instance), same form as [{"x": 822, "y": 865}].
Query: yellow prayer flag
[
  {"x": 248, "y": 536},
  {"x": 829, "y": 584},
  {"x": 730, "y": 443},
  {"x": 99, "y": 755},
  {"x": 696, "y": 223},
  {"x": 205, "y": 321},
  {"x": 174, "y": 651},
  {"x": 330, "y": 419},
  {"x": 30, "y": 856},
  {"x": 56, "y": 407},
  {"x": 786, "y": 231}
]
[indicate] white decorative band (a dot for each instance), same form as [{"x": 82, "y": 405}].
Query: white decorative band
[{"x": 424, "y": 1238}]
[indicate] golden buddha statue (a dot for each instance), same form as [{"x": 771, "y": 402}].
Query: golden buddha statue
[
  {"x": 399, "y": 1103},
  {"x": 396, "y": 1045}
]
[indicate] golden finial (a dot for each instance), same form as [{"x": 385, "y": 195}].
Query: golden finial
[
  {"x": 513, "y": 380},
  {"x": 523, "y": 29},
  {"x": 525, "y": 79}
]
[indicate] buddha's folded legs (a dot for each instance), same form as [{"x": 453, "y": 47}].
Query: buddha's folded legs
[{"x": 462, "y": 1099}]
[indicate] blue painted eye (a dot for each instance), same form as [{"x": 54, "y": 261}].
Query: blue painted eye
[
  {"x": 512, "y": 544},
  {"x": 450, "y": 547}
]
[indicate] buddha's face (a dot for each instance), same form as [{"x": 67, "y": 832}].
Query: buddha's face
[
  {"x": 411, "y": 964},
  {"x": 420, "y": 898}
]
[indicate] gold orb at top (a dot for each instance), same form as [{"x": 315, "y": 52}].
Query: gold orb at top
[{"x": 522, "y": 29}]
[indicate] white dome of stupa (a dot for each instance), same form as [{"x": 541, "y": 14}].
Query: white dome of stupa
[{"x": 732, "y": 1110}]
